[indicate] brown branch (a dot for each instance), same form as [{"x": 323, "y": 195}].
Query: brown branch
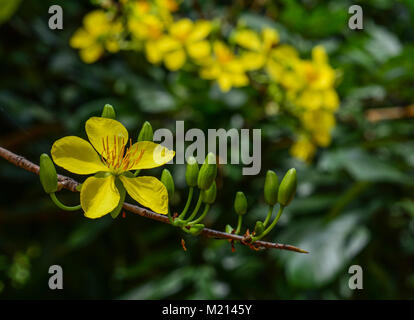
[
  {"x": 392, "y": 113},
  {"x": 70, "y": 184}
]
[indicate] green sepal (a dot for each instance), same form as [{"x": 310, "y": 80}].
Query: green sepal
[
  {"x": 208, "y": 172},
  {"x": 128, "y": 174},
  {"x": 146, "y": 133},
  {"x": 287, "y": 188},
  {"x": 122, "y": 194},
  {"x": 102, "y": 174},
  {"x": 229, "y": 228},
  {"x": 47, "y": 174},
  {"x": 179, "y": 223},
  {"x": 258, "y": 228},
  {"x": 196, "y": 229},
  {"x": 108, "y": 111}
]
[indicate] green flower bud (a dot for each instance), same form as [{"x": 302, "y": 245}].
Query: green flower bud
[
  {"x": 258, "y": 228},
  {"x": 208, "y": 172},
  {"x": 287, "y": 188},
  {"x": 271, "y": 187},
  {"x": 196, "y": 229},
  {"x": 108, "y": 111},
  {"x": 191, "y": 172},
  {"x": 146, "y": 133},
  {"x": 47, "y": 174},
  {"x": 240, "y": 203},
  {"x": 168, "y": 181},
  {"x": 229, "y": 228},
  {"x": 209, "y": 195}
]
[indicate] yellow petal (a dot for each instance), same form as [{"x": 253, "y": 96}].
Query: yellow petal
[
  {"x": 270, "y": 38},
  {"x": 224, "y": 82},
  {"x": 331, "y": 100},
  {"x": 211, "y": 72},
  {"x": 199, "y": 50},
  {"x": 152, "y": 52},
  {"x": 99, "y": 196},
  {"x": 175, "y": 60},
  {"x": 200, "y": 31},
  {"x": 148, "y": 191},
  {"x": 167, "y": 44},
  {"x": 112, "y": 45},
  {"x": 222, "y": 52},
  {"x": 303, "y": 149},
  {"x": 181, "y": 29},
  {"x": 248, "y": 39},
  {"x": 106, "y": 135},
  {"x": 97, "y": 22},
  {"x": 81, "y": 39},
  {"x": 319, "y": 55},
  {"x": 239, "y": 80},
  {"x": 148, "y": 154},
  {"x": 252, "y": 60},
  {"x": 91, "y": 54},
  {"x": 76, "y": 155}
]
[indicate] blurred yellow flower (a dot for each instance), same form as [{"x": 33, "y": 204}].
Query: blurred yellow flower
[
  {"x": 184, "y": 39},
  {"x": 99, "y": 32},
  {"x": 225, "y": 68},
  {"x": 108, "y": 155},
  {"x": 282, "y": 67},
  {"x": 259, "y": 47},
  {"x": 319, "y": 123},
  {"x": 319, "y": 80},
  {"x": 303, "y": 148}
]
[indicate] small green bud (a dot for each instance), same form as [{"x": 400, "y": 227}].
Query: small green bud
[
  {"x": 209, "y": 195},
  {"x": 196, "y": 229},
  {"x": 191, "y": 172},
  {"x": 240, "y": 203},
  {"x": 229, "y": 228},
  {"x": 271, "y": 187},
  {"x": 47, "y": 174},
  {"x": 108, "y": 111},
  {"x": 208, "y": 172},
  {"x": 168, "y": 181},
  {"x": 258, "y": 228},
  {"x": 146, "y": 133},
  {"x": 287, "y": 188}
]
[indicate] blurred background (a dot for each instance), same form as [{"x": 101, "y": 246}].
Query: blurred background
[{"x": 355, "y": 198}]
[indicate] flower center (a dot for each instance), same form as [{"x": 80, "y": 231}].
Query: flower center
[{"x": 117, "y": 156}]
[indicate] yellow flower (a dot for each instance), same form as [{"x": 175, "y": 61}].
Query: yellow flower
[
  {"x": 108, "y": 155},
  {"x": 319, "y": 123},
  {"x": 224, "y": 67},
  {"x": 303, "y": 149},
  {"x": 282, "y": 67},
  {"x": 148, "y": 28},
  {"x": 185, "y": 38},
  {"x": 259, "y": 47},
  {"x": 99, "y": 32},
  {"x": 318, "y": 73}
]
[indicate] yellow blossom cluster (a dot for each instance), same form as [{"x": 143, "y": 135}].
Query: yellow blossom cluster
[{"x": 151, "y": 27}]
